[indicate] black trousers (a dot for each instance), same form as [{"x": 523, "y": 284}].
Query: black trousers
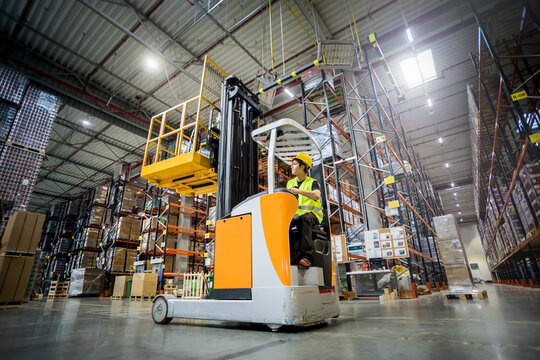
[{"x": 303, "y": 243}]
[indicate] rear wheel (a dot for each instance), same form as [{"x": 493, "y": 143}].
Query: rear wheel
[{"x": 160, "y": 308}]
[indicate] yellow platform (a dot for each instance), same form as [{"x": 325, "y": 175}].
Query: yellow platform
[
  {"x": 190, "y": 174},
  {"x": 173, "y": 158}
]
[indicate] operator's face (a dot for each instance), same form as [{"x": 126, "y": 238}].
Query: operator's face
[{"x": 295, "y": 168}]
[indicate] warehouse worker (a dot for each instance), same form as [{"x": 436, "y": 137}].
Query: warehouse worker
[{"x": 309, "y": 206}]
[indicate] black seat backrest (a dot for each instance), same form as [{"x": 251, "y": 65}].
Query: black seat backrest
[{"x": 318, "y": 174}]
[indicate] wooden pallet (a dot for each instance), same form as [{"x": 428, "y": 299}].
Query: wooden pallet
[
  {"x": 141, "y": 298},
  {"x": 481, "y": 295},
  {"x": 6, "y": 303},
  {"x": 58, "y": 289}
]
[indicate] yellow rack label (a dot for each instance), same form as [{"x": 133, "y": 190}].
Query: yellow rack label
[
  {"x": 164, "y": 232},
  {"x": 279, "y": 81},
  {"x": 535, "y": 138},
  {"x": 393, "y": 204},
  {"x": 140, "y": 237},
  {"x": 208, "y": 222},
  {"x": 207, "y": 236},
  {"x": 138, "y": 248},
  {"x": 205, "y": 254},
  {"x": 389, "y": 180},
  {"x": 293, "y": 74},
  {"x": 162, "y": 244},
  {"x": 519, "y": 95},
  {"x": 372, "y": 37},
  {"x": 316, "y": 62},
  {"x": 380, "y": 139}
]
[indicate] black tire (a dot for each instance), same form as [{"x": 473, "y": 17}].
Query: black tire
[{"x": 160, "y": 308}]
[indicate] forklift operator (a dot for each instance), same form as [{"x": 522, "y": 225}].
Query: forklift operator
[{"x": 309, "y": 211}]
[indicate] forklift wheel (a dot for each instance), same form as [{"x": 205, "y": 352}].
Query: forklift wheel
[{"x": 160, "y": 308}]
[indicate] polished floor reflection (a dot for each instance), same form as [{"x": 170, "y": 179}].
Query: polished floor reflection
[{"x": 506, "y": 326}]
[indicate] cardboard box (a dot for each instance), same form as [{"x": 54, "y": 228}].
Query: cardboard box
[
  {"x": 135, "y": 229},
  {"x": 120, "y": 285},
  {"x": 13, "y": 230},
  {"x": 124, "y": 228},
  {"x": 36, "y": 234},
  {"x": 97, "y": 215},
  {"x": 14, "y": 276},
  {"x": 101, "y": 195},
  {"x": 131, "y": 257},
  {"x": 23, "y": 232},
  {"x": 88, "y": 260},
  {"x": 144, "y": 284},
  {"x": 119, "y": 260},
  {"x": 92, "y": 238}
]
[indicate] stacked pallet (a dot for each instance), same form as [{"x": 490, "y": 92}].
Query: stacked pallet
[{"x": 30, "y": 113}]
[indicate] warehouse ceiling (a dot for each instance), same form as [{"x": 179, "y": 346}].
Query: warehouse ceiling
[{"x": 116, "y": 63}]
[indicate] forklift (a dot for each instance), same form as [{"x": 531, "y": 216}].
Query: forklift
[{"x": 254, "y": 280}]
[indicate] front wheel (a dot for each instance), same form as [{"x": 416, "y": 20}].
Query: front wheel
[{"x": 160, "y": 308}]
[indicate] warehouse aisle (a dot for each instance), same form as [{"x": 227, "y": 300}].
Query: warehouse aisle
[{"x": 507, "y": 325}]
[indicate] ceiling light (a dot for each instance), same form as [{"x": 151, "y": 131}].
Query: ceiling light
[
  {"x": 151, "y": 63},
  {"x": 460, "y": 219},
  {"x": 459, "y": 213},
  {"x": 455, "y": 194},
  {"x": 289, "y": 92},
  {"x": 419, "y": 69},
  {"x": 457, "y": 205},
  {"x": 429, "y": 102},
  {"x": 85, "y": 122},
  {"x": 440, "y": 140},
  {"x": 452, "y": 184},
  {"x": 446, "y": 165},
  {"x": 409, "y": 34}
]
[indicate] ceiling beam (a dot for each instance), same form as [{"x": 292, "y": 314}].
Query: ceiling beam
[
  {"x": 136, "y": 38},
  {"x": 117, "y": 143}
]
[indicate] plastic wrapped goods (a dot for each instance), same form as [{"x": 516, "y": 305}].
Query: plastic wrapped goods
[
  {"x": 453, "y": 254},
  {"x": 86, "y": 282}
]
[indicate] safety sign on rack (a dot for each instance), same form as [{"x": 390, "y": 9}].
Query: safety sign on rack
[
  {"x": 519, "y": 95},
  {"x": 387, "y": 243}
]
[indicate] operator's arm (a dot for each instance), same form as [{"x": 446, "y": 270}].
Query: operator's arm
[{"x": 313, "y": 195}]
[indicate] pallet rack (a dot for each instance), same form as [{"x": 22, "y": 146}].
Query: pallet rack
[
  {"x": 174, "y": 231},
  {"x": 504, "y": 125},
  {"x": 369, "y": 149}
]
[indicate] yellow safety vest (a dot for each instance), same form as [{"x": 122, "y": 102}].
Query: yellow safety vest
[{"x": 306, "y": 204}]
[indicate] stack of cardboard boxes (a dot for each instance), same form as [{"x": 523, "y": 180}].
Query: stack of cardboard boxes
[
  {"x": 19, "y": 245},
  {"x": 390, "y": 294}
]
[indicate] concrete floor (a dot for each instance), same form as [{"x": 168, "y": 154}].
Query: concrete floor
[{"x": 506, "y": 326}]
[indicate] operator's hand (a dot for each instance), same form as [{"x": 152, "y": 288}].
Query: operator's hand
[{"x": 294, "y": 191}]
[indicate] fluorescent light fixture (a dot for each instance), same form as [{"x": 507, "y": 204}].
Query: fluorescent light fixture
[
  {"x": 452, "y": 184},
  {"x": 416, "y": 69},
  {"x": 440, "y": 140},
  {"x": 151, "y": 63},
  {"x": 455, "y": 194},
  {"x": 429, "y": 102},
  {"x": 460, "y": 219},
  {"x": 459, "y": 213},
  {"x": 85, "y": 122},
  {"x": 446, "y": 165},
  {"x": 289, "y": 92},
  {"x": 409, "y": 34},
  {"x": 457, "y": 205}
]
